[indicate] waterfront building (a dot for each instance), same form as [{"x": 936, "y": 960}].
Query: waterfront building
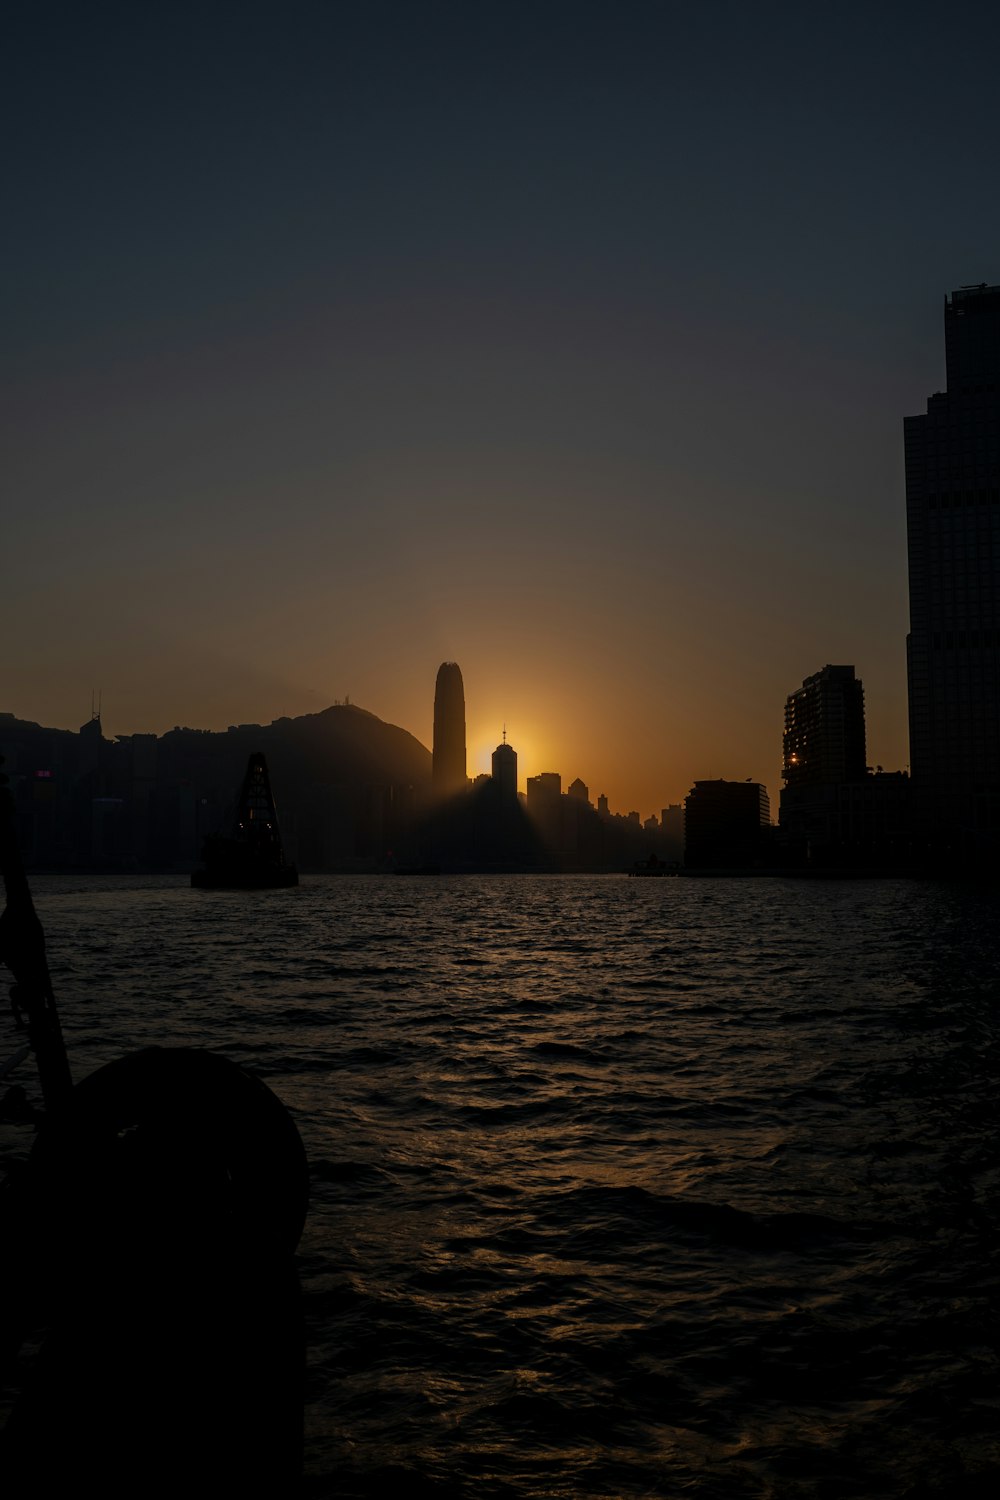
[
  {"x": 725, "y": 824},
  {"x": 823, "y": 749},
  {"x": 448, "y": 772},
  {"x": 824, "y": 738},
  {"x": 833, "y": 810},
  {"x": 953, "y": 535}
]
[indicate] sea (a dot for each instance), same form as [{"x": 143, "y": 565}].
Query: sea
[{"x": 620, "y": 1187}]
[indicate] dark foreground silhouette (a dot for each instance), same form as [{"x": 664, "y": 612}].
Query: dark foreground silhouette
[{"x": 146, "y": 1255}]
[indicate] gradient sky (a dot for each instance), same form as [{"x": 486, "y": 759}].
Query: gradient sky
[{"x": 568, "y": 341}]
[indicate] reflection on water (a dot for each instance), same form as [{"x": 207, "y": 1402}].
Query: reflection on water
[{"x": 620, "y": 1187}]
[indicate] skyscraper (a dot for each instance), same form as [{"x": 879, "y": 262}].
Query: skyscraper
[
  {"x": 448, "y": 763},
  {"x": 505, "y": 771},
  {"x": 824, "y": 738},
  {"x": 823, "y": 754},
  {"x": 953, "y": 532}
]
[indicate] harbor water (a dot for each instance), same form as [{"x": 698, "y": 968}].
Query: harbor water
[{"x": 619, "y": 1187}]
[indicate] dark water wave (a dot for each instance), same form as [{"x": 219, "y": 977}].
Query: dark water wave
[{"x": 620, "y": 1188}]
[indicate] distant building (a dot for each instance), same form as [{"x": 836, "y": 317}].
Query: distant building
[
  {"x": 725, "y": 824},
  {"x": 579, "y": 790},
  {"x": 505, "y": 771},
  {"x": 549, "y": 782},
  {"x": 448, "y": 767},
  {"x": 953, "y": 532},
  {"x": 545, "y": 809},
  {"x": 603, "y": 811},
  {"x": 91, "y": 745},
  {"x": 672, "y": 831}
]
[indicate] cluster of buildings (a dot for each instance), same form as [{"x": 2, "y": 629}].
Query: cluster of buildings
[
  {"x": 357, "y": 789},
  {"x": 542, "y": 828},
  {"x": 834, "y": 811},
  {"x": 945, "y": 815}
]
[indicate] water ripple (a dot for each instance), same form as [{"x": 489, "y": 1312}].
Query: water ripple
[{"x": 620, "y": 1188}]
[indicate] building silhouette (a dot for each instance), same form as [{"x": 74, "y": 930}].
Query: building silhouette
[
  {"x": 448, "y": 766},
  {"x": 672, "y": 832},
  {"x": 824, "y": 738},
  {"x": 832, "y": 810},
  {"x": 953, "y": 534},
  {"x": 504, "y": 766},
  {"x": 544, "y": 805},
  {"x": 726, "y": 823}
]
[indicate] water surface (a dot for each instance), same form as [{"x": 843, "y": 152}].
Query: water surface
[{"x": 620, "y": 1187}]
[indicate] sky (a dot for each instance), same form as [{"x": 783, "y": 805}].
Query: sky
[{"x": 570, "y": 342}]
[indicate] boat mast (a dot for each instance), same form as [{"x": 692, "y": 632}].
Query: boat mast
[{"x": 22, "y": 949}]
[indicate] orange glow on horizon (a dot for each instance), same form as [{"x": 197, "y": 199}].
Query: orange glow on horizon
[{"x": 531, "y": 754}]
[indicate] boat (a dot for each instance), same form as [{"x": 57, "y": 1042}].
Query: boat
[
  {"x": 251, "y": 856},
  {"x": 653, "y": 866}
]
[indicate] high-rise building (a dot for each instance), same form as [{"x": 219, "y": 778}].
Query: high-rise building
[
  {"x": 953, "y": 532},
  {"x": 448, "y": 763},
  {"x": 505, "y": 771},
  {"x": 831, "y": 810},
  {"x": 824, "y": 739}
]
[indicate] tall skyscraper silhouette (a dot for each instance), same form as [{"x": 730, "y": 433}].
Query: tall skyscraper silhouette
[
  {"x": 505, "y": 771},
  {"x": 953, "y": 531},
  {"x": 448, "y": 764}
]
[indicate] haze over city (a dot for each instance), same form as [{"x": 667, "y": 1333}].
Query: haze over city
[{"x": 571, "y": 342}]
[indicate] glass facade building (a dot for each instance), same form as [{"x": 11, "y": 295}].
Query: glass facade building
[{"x": 953, "y": 536}]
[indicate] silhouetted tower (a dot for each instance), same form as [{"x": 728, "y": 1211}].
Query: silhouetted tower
[
  {"x": 505, "y": 770},
  {"x": 824, "y": 739},
  {"x": 449, "y": 774},
  {"x": 91, "y": 740},
  {"x": 953, "y": 534}
]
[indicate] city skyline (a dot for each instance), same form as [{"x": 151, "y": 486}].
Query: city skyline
[
  {"x": 446, "y": 775},
  {"x": 395, "y": 335}
]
